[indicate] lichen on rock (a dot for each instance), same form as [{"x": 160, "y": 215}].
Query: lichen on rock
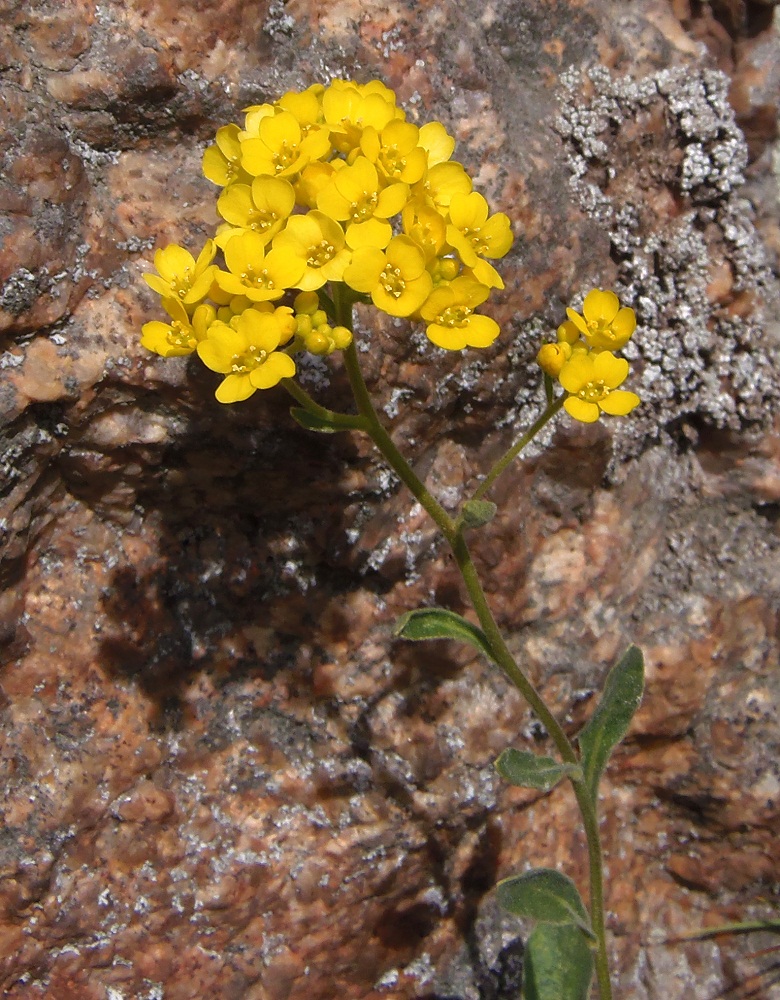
[{"x": 660, "y": 162}]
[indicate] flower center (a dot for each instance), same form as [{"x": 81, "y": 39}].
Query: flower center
[
  {"x": 392, "y": 281},
  {"x": 592, "y": 392},
  {"x": 260, "y": 279},
  {"x": 180, "y": 335},
  {"x": 253, "y": 357},
  {"x": 320, "y": 254},
  {"x": 363, "y": 208},
  {"x": 285, "y": 155},
  {"x": 475, "y": 238},
  {"x": 454, "y": 316},
  {"x": 262, "y": 220}
]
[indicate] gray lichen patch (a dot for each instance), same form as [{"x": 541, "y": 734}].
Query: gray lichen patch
[{"x": 660, "y": 162}]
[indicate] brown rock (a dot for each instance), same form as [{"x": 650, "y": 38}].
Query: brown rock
[{"x": 222, "y": 775}]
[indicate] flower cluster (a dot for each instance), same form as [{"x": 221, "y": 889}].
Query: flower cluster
[
  {"x": 583, "y": 360},
  {"x": 327, "y": 191}
]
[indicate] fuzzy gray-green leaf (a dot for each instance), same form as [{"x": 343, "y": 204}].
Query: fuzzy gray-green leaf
[
  {"x": 530, "y": 770},
  {"x": 609, "y": 723},
  {"x": 558, "y": 964},
  {"x": 546, "y": 895},
  {"x": 439, "y": 623}
]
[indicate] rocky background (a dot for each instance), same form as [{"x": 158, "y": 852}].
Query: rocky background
[{"x": 222, "y": 776}]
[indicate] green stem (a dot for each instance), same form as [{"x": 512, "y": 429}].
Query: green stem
[
  {"x": 348, "y": 421},
  {"x": 453, "y": 532},
  {"x": 508, "y": 457},
  {"x": 590, "y": 822}
]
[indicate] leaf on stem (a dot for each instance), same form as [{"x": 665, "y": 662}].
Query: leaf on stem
[
  {"x": 609, "y": 723},
  {"x": 530, "y": 770},
  {"x": 558, "y": 964},
  {"x": 477, "y": 513},
  {"x": 546, "y": 895},
  {"x": 439, "y": 623},
  {"x": 314, "y": 422}
]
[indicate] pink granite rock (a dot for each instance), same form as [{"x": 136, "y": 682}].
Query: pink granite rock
[{"x": 222, "y": 775}]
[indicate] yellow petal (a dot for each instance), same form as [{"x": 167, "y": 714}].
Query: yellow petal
[
  {"x": 447, "y": 337},
  {"x": 586, "y": 413},
  {"x": 577, "y": 372},
  {"x": 234, "y": 388},
  {"x": 609, "y": 368},
  {"x": 623, "y": 325},
  {"x": 276, "y": 367},
  {"x": 600, "y": 306},
  {"x": 578, "y": 321},
  {"x": 619, "y": 402},
  {"x": 481, "y": 331}
]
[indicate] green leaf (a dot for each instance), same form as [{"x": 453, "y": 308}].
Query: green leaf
[
  {"x": 477, "y": 513},
  {"x": 529, "y": 770},
  {"x": 323, "y": 425},
  {"x": 558, "y": 964},
  {"x": 609, "y": 723},
  {"x": 439, "y": 623},
  {"x": 546, "y": 895}
]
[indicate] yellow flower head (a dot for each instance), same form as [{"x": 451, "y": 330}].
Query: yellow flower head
[
  {"x": 473, "y": 233},
  {"x": 281, "y": 149},
  {"x": 452, "y": 322},
  {"x": 395, "y": 151},
  {"x": 180, "y": 276},
  {"x": 181, "y": 335},
  {"x": 245, "y": 353},
  {"x": 349, "y": 108},
  {"x": 262, "y": 208},
  {"x": 328, "y": 186},
  {"x": 357, "y": 197},
  {"x": 318, "y": 241},
  {"x": 603, "y": 324},
  {"x": 260, "y": 276},
  {"x": 592, "y": 382},
  {"x": 222, "y": 161},
  {"x": 396, "y": 280}
]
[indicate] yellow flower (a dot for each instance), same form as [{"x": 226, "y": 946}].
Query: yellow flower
[
  {"x": 305, "y": 106},
  {"x": 396, "y": 279},
  {"x": 395, "y": 151},
  {"x": 591, "y": 381},
  {"x": 318, "y": 241},
  {"x": 246, "y": 354},
  {"x": 452, "y": 322},
  {"x": 259, "y": 275},
  {"x": 356, "y": 197},
  {"x": 426, "y": 227},
  {"x": 263, "y": 207},
  {"x": 181, "y": 335},
  {"x": 604, "y": 325},
  {"x": 252, "y": 118},
  {"x": 280, "y": 148},
  {"x": 472, "y": 233},
  {"x": 222, "y": 161},
  {"x": 348, "y": 108},
  {"x": 440, "y": 185},
  {"x": 182, "y": 277}
]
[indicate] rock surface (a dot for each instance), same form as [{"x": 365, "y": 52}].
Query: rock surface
[{"x": 222, "y": 776}]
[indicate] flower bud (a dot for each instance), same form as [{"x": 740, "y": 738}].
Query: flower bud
[
  {"x": 306, "y": 302},
  {"x": 552, "y": 357}
]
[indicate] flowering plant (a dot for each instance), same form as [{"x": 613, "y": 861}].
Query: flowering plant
[{"x": 331, "y": 197}]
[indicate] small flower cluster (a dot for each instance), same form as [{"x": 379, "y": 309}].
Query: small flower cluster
[
  {"x": 582, "y": 358},
  {"x": 325, "y": 187}
]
